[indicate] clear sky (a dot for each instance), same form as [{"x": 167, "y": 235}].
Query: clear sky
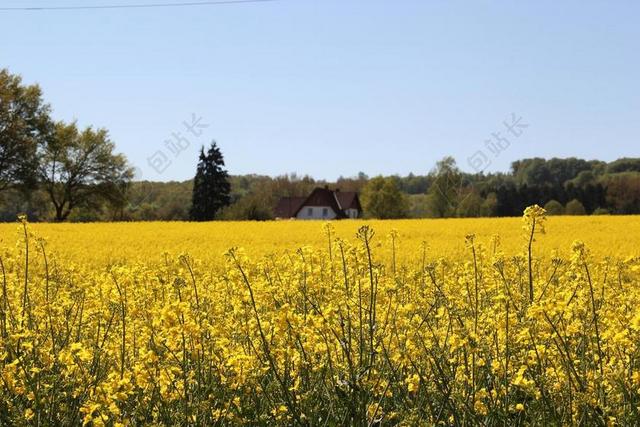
[{"x": 335, "y": 87}]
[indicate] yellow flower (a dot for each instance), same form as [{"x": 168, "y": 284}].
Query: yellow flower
[{"x": 412, "y": 383}]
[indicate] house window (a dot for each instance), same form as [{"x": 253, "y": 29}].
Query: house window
[
  {"x": 309, "y": 211},
  {"x": 325, "y": 212}
]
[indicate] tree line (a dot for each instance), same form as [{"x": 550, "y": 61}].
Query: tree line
[
  {"x": 58, "y": 171},
  {"x": 445, "y": 191}
]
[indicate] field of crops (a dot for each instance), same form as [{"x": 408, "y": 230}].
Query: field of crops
[
  {"x": 99, "y": 244},
  {"x": 431, "y": 322}
]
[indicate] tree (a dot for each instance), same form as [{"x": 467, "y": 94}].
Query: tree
[
  {"x": 470, "y": 205},
  {"x": 538, "y": 171},
  {"x": 382, "y": 198},
  {"x": 554, "y": 207},
  {"x": 211, "y": 186},
  {"x": 24, "y": 124},
  {"x": 352, "y": 183},
  {"x": 445, "y": 190},
  {"x": 418, "y": 205},
  {"x": 623, "y": 192},
  {"x": 489, "y": 205},
  {"x": 79, "y": 169},
  {"x": 33, "y": 203},
  {"x": 252, "y": 207},
  {"x": 414, "y": 184},
  {"x": 624, "y": 164},
  {"x": 574, "y": 207}
]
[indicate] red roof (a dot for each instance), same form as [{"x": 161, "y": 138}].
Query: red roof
[
  {"x": 288, "y": 207},
  {"x": 348, "y": 200}
]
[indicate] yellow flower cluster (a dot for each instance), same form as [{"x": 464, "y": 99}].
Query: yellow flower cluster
[{"x": 376, "y": 328}]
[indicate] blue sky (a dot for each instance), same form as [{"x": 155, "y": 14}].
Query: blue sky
[{"x": 335, "y": 87}]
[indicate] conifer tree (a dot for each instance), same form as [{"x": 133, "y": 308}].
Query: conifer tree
[{"x": 211, "y": 186}]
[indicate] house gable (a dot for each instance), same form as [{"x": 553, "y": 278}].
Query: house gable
[
  {"x": 350, "y": 203},
  {"x": 322, "y": 203},
  {"x": 322, "y": 198}
]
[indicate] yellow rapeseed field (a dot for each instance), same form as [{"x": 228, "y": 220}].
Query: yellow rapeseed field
[
  {"x": 518, "y": 321},
  {"x": 104, "y": 243}
]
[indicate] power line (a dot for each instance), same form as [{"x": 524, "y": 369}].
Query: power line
[{"x": 134, "y": 6}]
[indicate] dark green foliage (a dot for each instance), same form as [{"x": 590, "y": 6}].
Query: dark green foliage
[
  {"x": 78, "y": 169},
  {"x": 489, "y": 205},
  {"x": 624, "y": 165},
  {"x": 211, "y": 188},
  {"x": 574, "y": 207},
  {"x": 537, "y": 171},
  {"x": 382, "y": 198},
  {"x": 14, "y": 201},
  {"x": 248, "y": 208},
  {"x": 24, "y": 125},
  {"x": 470, "y": 205},
  {"x": 418, "y": 205},
  {"x": 623, "y": 192},
  {"x": 169, "y": 201},
  {"x": 554, "y": 207},
  {"x": 446, "y": 190}
]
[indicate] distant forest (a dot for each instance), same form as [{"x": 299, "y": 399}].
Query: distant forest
[{"x": 564, "y": 186}]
